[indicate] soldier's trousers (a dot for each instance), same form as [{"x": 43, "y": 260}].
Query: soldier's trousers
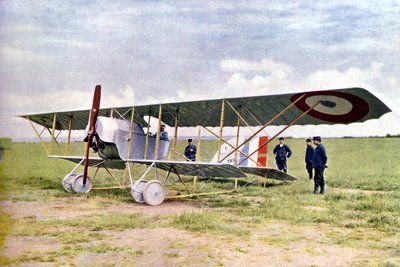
[
  {"x": 281, "y": 164},
  {"x": 309, "y": 168},
  {"x": 319, "y": 177}
]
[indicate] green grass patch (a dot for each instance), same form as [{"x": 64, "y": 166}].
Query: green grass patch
[
  {"x": 104, "y": 221},
  {"x": 209, "y": 222},
  {"x": 224, "y": 201},
  {"x": 72, "y": 250},
  {"x": 5, "y": 227},
  {"x": 26, "y": 174}
]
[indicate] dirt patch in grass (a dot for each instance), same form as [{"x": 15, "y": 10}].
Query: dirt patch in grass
[
  {"x": 172, "y": 247},
  {"x": 275, "y": 243},
  {"x": 29, "y": 246},
  {"x": 74, "y": 207},
  {"x": 316, "y": 208},
  {"x": 356, "y": 191}
]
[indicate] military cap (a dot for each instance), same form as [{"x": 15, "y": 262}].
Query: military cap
[{"x": 317, "y": 138}]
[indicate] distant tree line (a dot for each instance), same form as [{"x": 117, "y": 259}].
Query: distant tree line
[{"x": 375, "y": 136}]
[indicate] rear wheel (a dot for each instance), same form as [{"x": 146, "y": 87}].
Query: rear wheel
[
  {"x": 78, "y": 185},
  {"x": 154, "y": 193}
]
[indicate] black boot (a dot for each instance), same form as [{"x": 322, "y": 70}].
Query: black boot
[
  {"x": 315, "y": 189},
  {"x": 322, "y": 190}
]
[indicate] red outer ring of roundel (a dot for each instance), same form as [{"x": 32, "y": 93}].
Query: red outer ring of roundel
[{"x": 359, "y": 110}]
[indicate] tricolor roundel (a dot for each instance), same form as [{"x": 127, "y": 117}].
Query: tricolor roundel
[{"x": 333, "y": 106}]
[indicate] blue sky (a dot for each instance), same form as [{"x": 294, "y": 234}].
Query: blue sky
[{"x": 53, "y": 53}]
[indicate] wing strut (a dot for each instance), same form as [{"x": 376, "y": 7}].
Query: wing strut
[
  {"x": 281, "y": 131},
  {"x": 263, "y": 127}
]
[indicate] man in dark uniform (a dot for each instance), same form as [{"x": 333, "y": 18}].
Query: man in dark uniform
[
  {"x": 190, "y": 151},
  {"x": 319, "y": 163},
  {"x": 309, "y": 157},
  {"x": 1, "y": 152},
  {"x": 281, "y": 152}
]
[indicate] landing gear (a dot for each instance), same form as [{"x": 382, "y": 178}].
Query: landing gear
[
  {"x": 73, "y": 182},
  {"x": 137, "y": 191},
  {"x": 154, "y": 193},
  {"x": 68, "y": 181},
  {"x": 78, "y": 185},
  {"x": 150, "y": 192}
]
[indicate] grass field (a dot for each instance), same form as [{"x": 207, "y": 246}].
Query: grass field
[{"x": 356, "y": 223}]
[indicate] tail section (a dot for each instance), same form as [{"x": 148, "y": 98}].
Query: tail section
[{"x": 258, "y": 159}]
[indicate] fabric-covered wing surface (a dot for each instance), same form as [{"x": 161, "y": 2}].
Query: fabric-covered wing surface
[
  {"x": 268, "y": 173},
  {"x": 336, "y": 106},
  {"x": 196, "y": 168},
  {"x": 79, "y": 118},
  {"x": 205, "y": 170},
  {"x": 110, "y": 163}
]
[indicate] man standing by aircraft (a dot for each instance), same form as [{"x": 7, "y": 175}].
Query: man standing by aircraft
[
  {"x": 319, "y": 163},
  {"x": 190, "y": 150},
  {"x": 309, "y": 157},
  {"x": 281, "y": 152},
  {"x": 1, "y": 152}
]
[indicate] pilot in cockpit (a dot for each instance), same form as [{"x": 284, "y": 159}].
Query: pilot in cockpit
[{"x": 163, "y": 133}]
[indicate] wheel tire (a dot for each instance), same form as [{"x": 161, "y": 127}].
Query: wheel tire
[
  {"x": 78, "y": 186},
  {"x": 68, "y": 181},
  {"x": 137, "y": 193},
  {"x": 154, "y": 193}
]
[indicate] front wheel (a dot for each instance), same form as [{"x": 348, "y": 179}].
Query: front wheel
[
  {"x": 78, "y": 185},
  {"x": 154, "y": 193}
]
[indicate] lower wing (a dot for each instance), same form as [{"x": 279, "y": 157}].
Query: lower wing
[
  {"x": 200, "y": 169},
  {"x": 268, "y": 173},
  {"x": 205, "y": 170}
]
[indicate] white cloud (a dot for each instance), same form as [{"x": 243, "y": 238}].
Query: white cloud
[
  {"x": 65, "y": 99},
  {"x": 389, "y": 43},
  {"x": 265, "y": 76},
  {"x": 14, "y": 54},
  {"x": 278, "y": 77},
  {"x": 60, "y": 100},
  {"x": 265, "y": 65},
  {"x": 351, "y": 77},
  {"x": 72, "y": 42},
  {"x": 66, "y": 44}
]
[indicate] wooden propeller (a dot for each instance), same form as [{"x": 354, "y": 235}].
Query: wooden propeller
[{"x": 92, "y": 128}]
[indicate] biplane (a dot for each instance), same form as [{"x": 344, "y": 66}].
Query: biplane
[{"x": 118, "y": 137}]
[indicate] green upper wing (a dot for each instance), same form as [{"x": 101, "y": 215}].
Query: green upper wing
[{"x": 341, "y": 106}]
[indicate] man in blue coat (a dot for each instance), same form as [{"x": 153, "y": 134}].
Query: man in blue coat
[
  {"x": 319, "y": 163},
  {"x": 190, "y": 150},
  {"x": 281, "y": 152},
  {"x": 309, "y": 157},
  {"x": 163, "y": 133}
]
